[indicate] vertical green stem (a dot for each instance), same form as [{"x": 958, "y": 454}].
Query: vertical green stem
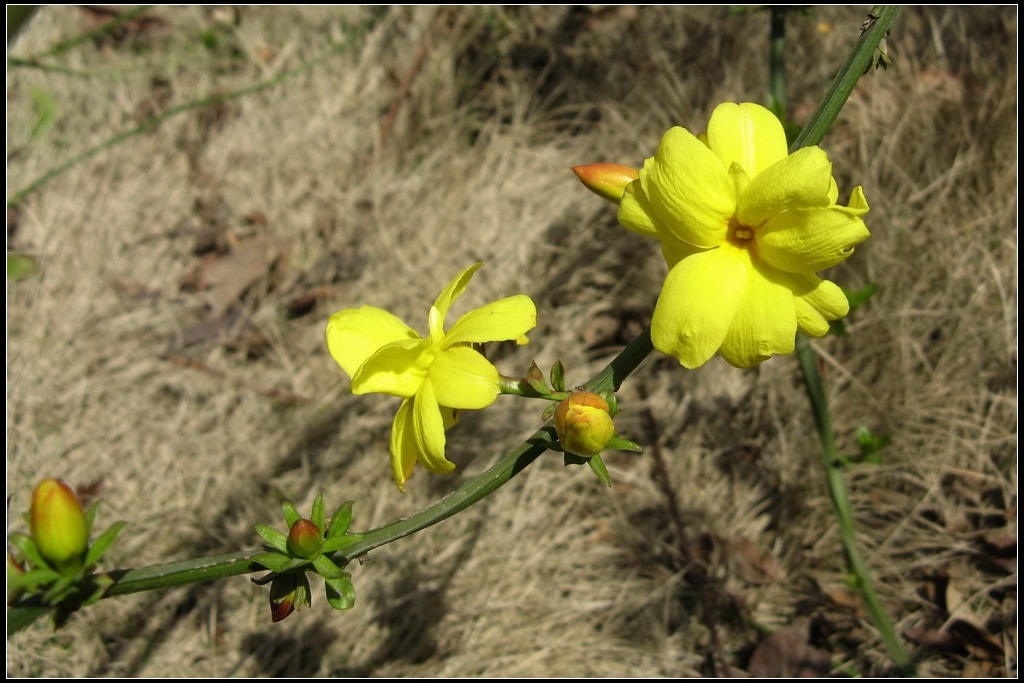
[{"x": 842, "y": 86}]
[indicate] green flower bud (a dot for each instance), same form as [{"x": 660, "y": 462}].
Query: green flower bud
[
  {"x": 305, "y": 539},
  {"x": 58, "y": 524},
  {"x": 583, "y": 423},
  {"x": 288, "y": 592}
]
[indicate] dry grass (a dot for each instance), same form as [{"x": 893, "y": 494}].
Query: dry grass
[{"x": 553, "y": 575}]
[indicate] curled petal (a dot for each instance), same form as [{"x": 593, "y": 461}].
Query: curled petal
[
  {"x": 463, "y": 379},
  {"x": 809, "y": 240},
  {"x": 817, "y": 302},
  {"x": 508, "y": 318},
  {"x": 428, "y": 430},
  {"x": 746, "y": 134},
  {"x": 355, "y": 334},
  {"x": 451, "y": 292},
  {"x": 397, "y": 369},
  {"x": 635, "y": 211},
  {"x": 697, "y": 303},
  {"x": 765, "y": 320},
  {"x": 404, "y": 449},
  {"x": 800, "y": 181},
  {"x": 690, "y": 191}
]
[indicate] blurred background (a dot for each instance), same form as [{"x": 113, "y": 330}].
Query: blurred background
[{"x": 200, "y": 188}]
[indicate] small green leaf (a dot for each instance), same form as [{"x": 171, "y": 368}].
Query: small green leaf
[
  {"x": 336, "y": 543},
  {"x": 870, "y": 443},
  {"x": 340, "y": 520},
  {"x": 291, "y": 515},
  {"x": 19, "y": 618},
  {"x": 558, "y": 376},
  {"x": 617, "y": 443},
  {"x": 273, "y": 537},
  {"x": 340, "y": 592},
  {"x": 273, "y": 561},
  {"x": 90, "y": 514},
  {"x": 30, "y": 580},
  {"x": 597, "y": 465},
  {"x": 103, "y": 543},
  {"x": 59, "y": 590},
  {"x": 535, "y": 378},
  {"x": 327, "y": 569},
  {"x": 317, "y": 516},
  {"x": 45, "y": 108},
  {"x": 27, "y": 546},
  {"x": 21, "y": 266},
  {"x": 612, "y": 401}
]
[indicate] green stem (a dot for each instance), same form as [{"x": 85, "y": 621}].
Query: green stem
[{"x": 856, "y": 65}]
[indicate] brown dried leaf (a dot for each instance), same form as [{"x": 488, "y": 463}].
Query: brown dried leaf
[
  {"x": 225, "y": 278},
  {"x": 752, "y": 563},
  {"x": 784, "y": 654}
]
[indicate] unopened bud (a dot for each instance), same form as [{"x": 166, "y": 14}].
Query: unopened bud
[
  {"x": 583, "y": 423},
  {"x": 58, "y": 524},
  {"x": 288, "y": 592},
  {"x": 305, "y": 539},
  {"x": 606, "y": 180}
]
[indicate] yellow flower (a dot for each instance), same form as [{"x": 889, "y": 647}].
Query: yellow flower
[
  {"x": 436, "y": 376},
  {"x": 58, "y": 524},
  {"x": 743, "y": 226},
  {"x": 584, "y": 424}
]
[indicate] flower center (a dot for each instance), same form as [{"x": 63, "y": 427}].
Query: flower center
[{"x": 740, "y": 235}]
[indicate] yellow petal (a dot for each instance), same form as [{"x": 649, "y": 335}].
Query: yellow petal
[
  {"x": 690, "y": 191},
  {"x": 746, "y": 134},
  {"x": 508, "y": 318},
  {"x": 428, "y": 429},
  {"x": 444, "y": 300},
  {"x": 765, "y": 320},
  {"x": 817, "y": 302},
  {"x": 462, "y": 378},
  {"x": 809, "y": 240},
  {"x": 635, "y": 211},
  {"x": 397, "y": 369},
  {"x": 404, "y": 451},
  {"x": 355, "y": 334},
  {"x": 800, "y": 181},
  {"x": 697, "y": 304},
  {"x": 675, "y": 250}
]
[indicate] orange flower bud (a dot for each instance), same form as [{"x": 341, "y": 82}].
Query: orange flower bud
[
  {"x": 583, "y": 423},
  {"x": 305, "y": 539},
  {"x": 606, "y": 180},
  {"x": 58, "y": 523}
]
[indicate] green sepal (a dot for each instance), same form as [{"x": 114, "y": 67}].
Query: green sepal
[
  {"x": 340, "y": 592},
  {"x": 274, "y": 538},
  {"x": 558, "y": 376},
  {"x": 333, "y": 545},
  {"x": 612, "y": 401},
  {"x": 30, "y": 580},
  {"x": 59, "y": 590},
  {"x": 549, "y": 412},
  {"x": 27, "y": 546},
  {"x": 291, "y": 515},
  {"x": 340, "y": 520},
  {"x": 327, "y": 569},
  {"x": 617, "y": 443},
  {"x": 535, "y": 378},
  {"x": 317, "y": 516},
  {"x": 90, "y": 515},
  {"x": 597, "y": 465},
  {"x": 103, "y": 543},
  {"x": 278, "y": 563}
]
